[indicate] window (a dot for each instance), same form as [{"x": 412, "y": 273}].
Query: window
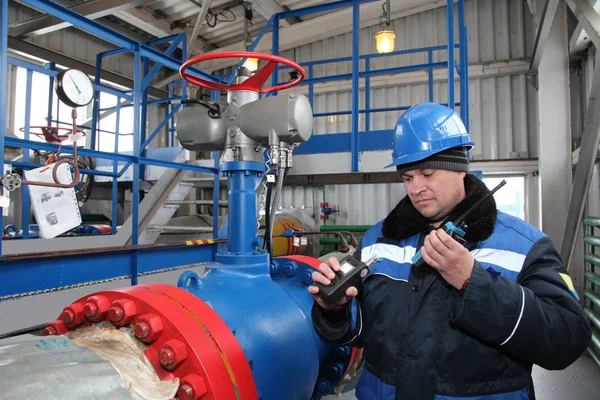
[
  {"x": 108, "y": 125},
  {"x": 511, "y": 197}
]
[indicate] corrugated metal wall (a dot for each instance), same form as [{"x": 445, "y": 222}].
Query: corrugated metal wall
[
  {"x": 502, "y": 108},
  {"x": 363, "y": 204}
]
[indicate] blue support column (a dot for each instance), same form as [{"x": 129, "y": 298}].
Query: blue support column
[
  {"x": 430, "y": 74},
  {"x": 171, "y": 127},
  {"x": 115, "y": 181},
  {"x": 464, "y": 63},
  {"x": 96, "y": 105},
  {"x": 137, "y": 129},
  {"x": 50, "y": 66},
  {"x": 26, "y": 158},
  {"x": 354, "y": 143},
  {"x": 3, "y": 75},
  {"x": 144, "y": 110},
  {"x": 275, "y": 49},
  {"x": 450, "y": 22},
  {"x": 367, "y": 95},
  {"x": 311, "y": 88},
  {"x": 215, "y": 155}
]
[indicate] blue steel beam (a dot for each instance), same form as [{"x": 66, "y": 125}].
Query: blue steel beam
[
  {"x": 171, "y": 164},
  {"x": 15, "y": 142},
  {"x": 341, "y": 142},
  {"x": 3, "y": 75},
  {"x": 50, "y": 66},
  {"x": 83, "y": 23},
  {"x": 29, "y": 165},
  {"x": 368, "y": 94},
  {"x": 27, "y": 65},
  {"x": 450, "y": 26},
  {"x": 147, "y": 51},
  {"x": 275, "y": 48},
  {"x": 160, "y": 126},
  {"x": 166, "y": 39},
  {"x": 32, "y": 275},
  {"x": 374, "y": 72},
  {"x": 115, "y": 180},
  {"x": 26, "y": 158},
  {"x": 137, "y": 121},
  {"x": 148, "y": 78},
  {"x": 96, "y": 104},
  {"x": 363, "y": 111},
  {"x": 370, "y": 56},
  {"x": 354, "y": 136},
  {"x": 430, "y": 74}
]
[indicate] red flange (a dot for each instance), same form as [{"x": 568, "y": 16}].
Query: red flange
[
  {"x": 184, "y": 338},
  {"x": 255, "y": 82}
]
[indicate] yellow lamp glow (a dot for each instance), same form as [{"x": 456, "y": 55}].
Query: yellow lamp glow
[
  {"x": 385, "y": 40},
  {"x": 251, "y": 64}
]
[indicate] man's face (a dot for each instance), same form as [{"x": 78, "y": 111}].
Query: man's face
[{"x": 434, "y": 192}]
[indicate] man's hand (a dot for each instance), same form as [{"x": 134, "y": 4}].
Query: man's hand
[
  {"x": 324, "y": 276},
  {"x": 451, "y": 259}
]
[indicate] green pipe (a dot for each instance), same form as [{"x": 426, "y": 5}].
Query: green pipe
[
  {"x": 594, "y": 319},
  {"x": 592, "y": 221},
  {"x": 592, "y": 240},
  {"x": 593, "y": 356},
  {"x": 333, "y": 241},
  {"x": 592, "y": 259},
  {"x": 347, "y": 228},
  {"x": 592, "y": 277},
  {"x": 593, "y": 297}
]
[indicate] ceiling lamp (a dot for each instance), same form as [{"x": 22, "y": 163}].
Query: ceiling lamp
[
  {"x": 251, "y": 64},
  {"x": 386, "y": 36}
]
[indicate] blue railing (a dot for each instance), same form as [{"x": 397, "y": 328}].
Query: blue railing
[
  {"x": 144, "y": 53},
  {"x": 356, "y": 141}
]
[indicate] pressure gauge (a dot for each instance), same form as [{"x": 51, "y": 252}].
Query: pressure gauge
[{"x": 74, "y": 88}]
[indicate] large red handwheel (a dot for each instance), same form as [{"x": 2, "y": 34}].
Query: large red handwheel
[{"x": 255, "y": 82}]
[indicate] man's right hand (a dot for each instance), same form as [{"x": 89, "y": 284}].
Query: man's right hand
[{"x": 324, "y": 276}]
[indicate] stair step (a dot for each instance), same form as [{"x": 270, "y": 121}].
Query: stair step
[
  {"x": 179, "y": 228},
  {"x": 201, "y": 179},
  {"x": 203, "y": 202}
]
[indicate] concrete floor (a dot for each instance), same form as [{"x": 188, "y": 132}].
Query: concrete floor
[{"x": 580, "y": 381}]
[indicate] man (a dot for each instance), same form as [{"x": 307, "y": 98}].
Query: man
[{"x": 471, "y": 322}]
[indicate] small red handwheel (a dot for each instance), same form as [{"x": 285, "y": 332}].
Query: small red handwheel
[
  {"x": 50, "y": 133},
  {"x": 255, "y": 82}
]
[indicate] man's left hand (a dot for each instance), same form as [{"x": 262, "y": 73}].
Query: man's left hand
[{"x": 451, "y": 259}]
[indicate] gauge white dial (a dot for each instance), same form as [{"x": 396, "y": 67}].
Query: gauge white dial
[{"x": 74, "y": 88}]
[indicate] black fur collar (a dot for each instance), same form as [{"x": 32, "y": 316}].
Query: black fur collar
[{"x": 405, "y": 221}]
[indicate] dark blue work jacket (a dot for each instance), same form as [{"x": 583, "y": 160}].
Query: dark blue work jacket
[{"x": 424, "y": 340}]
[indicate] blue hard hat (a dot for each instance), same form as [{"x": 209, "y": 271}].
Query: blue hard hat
[{"x": 426, "y": 129}]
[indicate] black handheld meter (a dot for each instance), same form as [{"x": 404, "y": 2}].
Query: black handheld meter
[{"x": 351, "y": 273}]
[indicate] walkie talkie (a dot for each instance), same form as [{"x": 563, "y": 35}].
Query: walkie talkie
[
  {"x": 351, "y": 273},
  {"x": 456, "y": 229}
]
